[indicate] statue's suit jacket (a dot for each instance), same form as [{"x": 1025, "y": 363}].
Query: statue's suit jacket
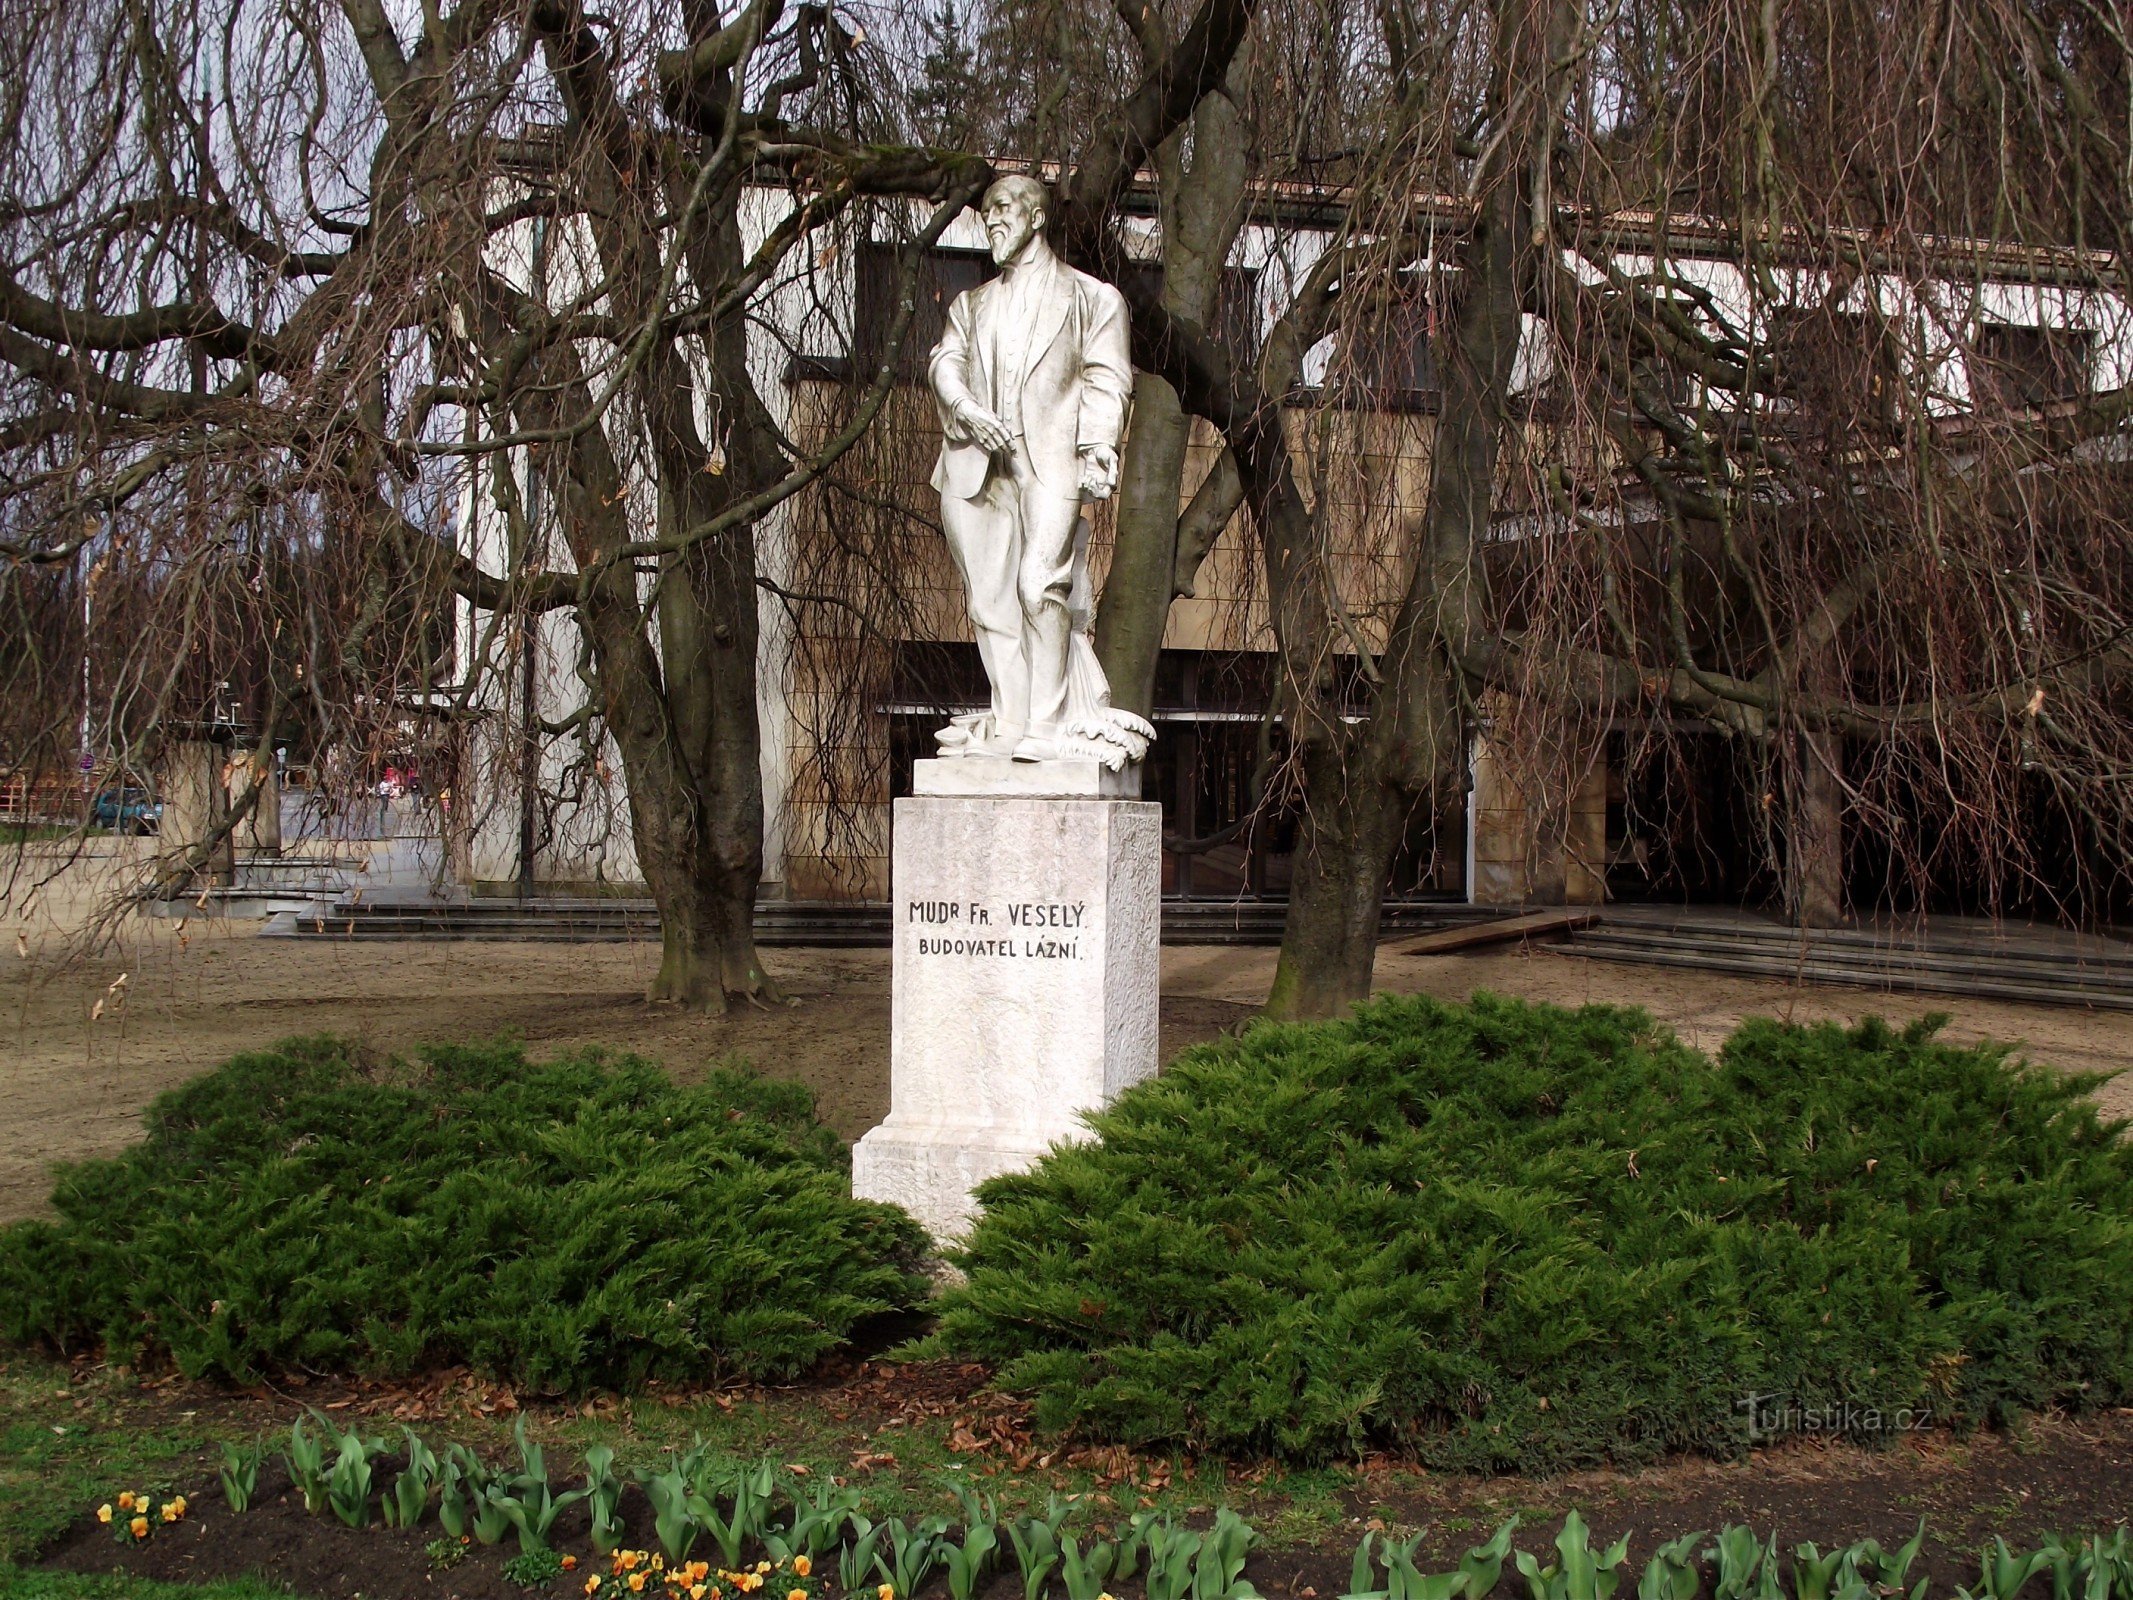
[{"x": 1074, "y": 387}]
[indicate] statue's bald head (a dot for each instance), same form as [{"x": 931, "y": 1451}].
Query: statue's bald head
[
  {"x": 1014, "y": 209},
  {"x": 1023, "y": 187}
]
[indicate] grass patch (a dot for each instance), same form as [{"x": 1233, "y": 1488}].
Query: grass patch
[
  {"x": 565, "y": 1225},
  {"x": 66, "y": 1446},
  {"x": 16, "y": 1584},
  {"x": 42, "y": 832},
  {"x": 1508, "y": 1236}
]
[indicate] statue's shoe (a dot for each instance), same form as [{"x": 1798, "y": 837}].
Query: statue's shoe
[
  {"x": 1032, "y": 748},
  {"x": 974, "y": 735}
]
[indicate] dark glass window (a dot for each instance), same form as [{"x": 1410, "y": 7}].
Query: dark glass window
[
  {"x": 1835, "y": 369},
  {"x": 2021, "y": 368},
  {"x": 1387, "y": 359},
  {"x": 1397, "y": 356},
  {"x": 942, "y": 276},
  {"x": 1220, "y": 840}
]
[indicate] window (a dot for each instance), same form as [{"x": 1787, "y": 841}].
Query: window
[
  {"x": 1836, "y": 370},
  {"x": 2020, "y": 368},
  {"x": 1397, "y": 357},
  {"x": 942, "y": 276},
  {"x": 1387, "y": 358}
]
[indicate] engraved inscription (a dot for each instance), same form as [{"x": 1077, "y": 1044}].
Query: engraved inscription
[{"x": 1042, "y": 930}]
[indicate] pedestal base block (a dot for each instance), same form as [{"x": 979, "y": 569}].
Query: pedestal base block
[
  {"x": 1073, "y": 778},
  {"x": 930, "y": 1168},
  {"x": 1026, "y": 973}
]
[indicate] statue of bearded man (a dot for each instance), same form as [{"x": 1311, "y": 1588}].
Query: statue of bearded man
[{"x": 1032, "y": 377}]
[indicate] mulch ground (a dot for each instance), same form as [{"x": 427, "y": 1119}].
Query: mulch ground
[{"x": 2064, "y": 1475}]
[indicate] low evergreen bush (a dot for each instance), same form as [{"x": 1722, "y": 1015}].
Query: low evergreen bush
[
  {"x": 1507, "y": 1236},
  {"x": 561, "y": 1225}
]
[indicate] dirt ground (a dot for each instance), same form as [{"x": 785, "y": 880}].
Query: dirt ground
[{"x": 82, "y": 1053}]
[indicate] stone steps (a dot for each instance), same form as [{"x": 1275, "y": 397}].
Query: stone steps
[
  {"x": 2048, "y": 968},
  {"x": 823, "y": 923}
]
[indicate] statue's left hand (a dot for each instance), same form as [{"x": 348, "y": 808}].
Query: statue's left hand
[{"x": 1099, "y": 471}]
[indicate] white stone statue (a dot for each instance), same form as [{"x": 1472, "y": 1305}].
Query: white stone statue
[{"x": 1032, "y": 377}]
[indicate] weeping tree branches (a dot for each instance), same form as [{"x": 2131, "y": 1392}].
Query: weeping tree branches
[
  {"x": 314, "y": 291},
  {"x": 1761, "y": 408}
]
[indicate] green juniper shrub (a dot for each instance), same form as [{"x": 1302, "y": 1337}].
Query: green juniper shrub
[
  {"x": 563, "y": 1225},
  {"x": 1509, "y": 1236}
]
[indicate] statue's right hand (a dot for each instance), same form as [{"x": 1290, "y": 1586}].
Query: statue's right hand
[{"x": 985, "y": 429}]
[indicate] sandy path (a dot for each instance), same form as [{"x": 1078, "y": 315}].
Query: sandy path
[{"x": 71, "y": 1086}]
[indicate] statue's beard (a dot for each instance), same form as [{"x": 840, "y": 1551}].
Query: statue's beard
[{"x": 1007, "y": 245}]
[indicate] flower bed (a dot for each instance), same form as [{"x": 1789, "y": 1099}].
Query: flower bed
[{"x": 774, "y": 1535}]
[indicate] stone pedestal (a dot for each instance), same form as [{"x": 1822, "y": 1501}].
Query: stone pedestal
[
  {"x": 196, "y": 801},
  {"x": 260, "y": 832},
  {"x": 1028, "y": 909}
]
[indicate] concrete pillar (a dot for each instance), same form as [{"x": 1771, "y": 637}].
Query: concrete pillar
[
  {"x": 1500, "y": 832},
  {"x": 1585, "y": 836},
  {"x": 260, "y": 833},
  {"x": 1536, "y": 837}
]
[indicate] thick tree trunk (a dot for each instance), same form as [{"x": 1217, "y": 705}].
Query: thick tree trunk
[
  {"x": 707, "y": 943},
  {"x": 709, "y": 632},
  {"x": 1360, "y": 792},
  {"x": 689, "y": 770},
  {"x": 688, "y": 950},
  {"x": 708, "y": 636},
  {"x": 1357, "y": 808},
  {"x": 1137, "y": 592},
  {"x": 1814, "y": 854},
  {"x": 699, "y": 856},
  {"x": 1156, "y": 551},
  {"x": 1344, "y": 850}
]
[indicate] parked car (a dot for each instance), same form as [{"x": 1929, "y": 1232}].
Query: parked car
[{"x": 126, "y": 810}]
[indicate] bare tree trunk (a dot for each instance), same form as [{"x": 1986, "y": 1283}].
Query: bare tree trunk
[
  {"x": 707, "y": 942},
  {"x": 1137, "y": 592},
  {"x": 692, "y": 765},
  {"x": 1814, "y": 854},
  {"x": 1359, "y": 791},
  {"x": 1337, "y": 896},
  {"x": 1158, "y": 547},
  {"x": 708, "y": 637},
  {"x": 1356, "y": 808}
]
